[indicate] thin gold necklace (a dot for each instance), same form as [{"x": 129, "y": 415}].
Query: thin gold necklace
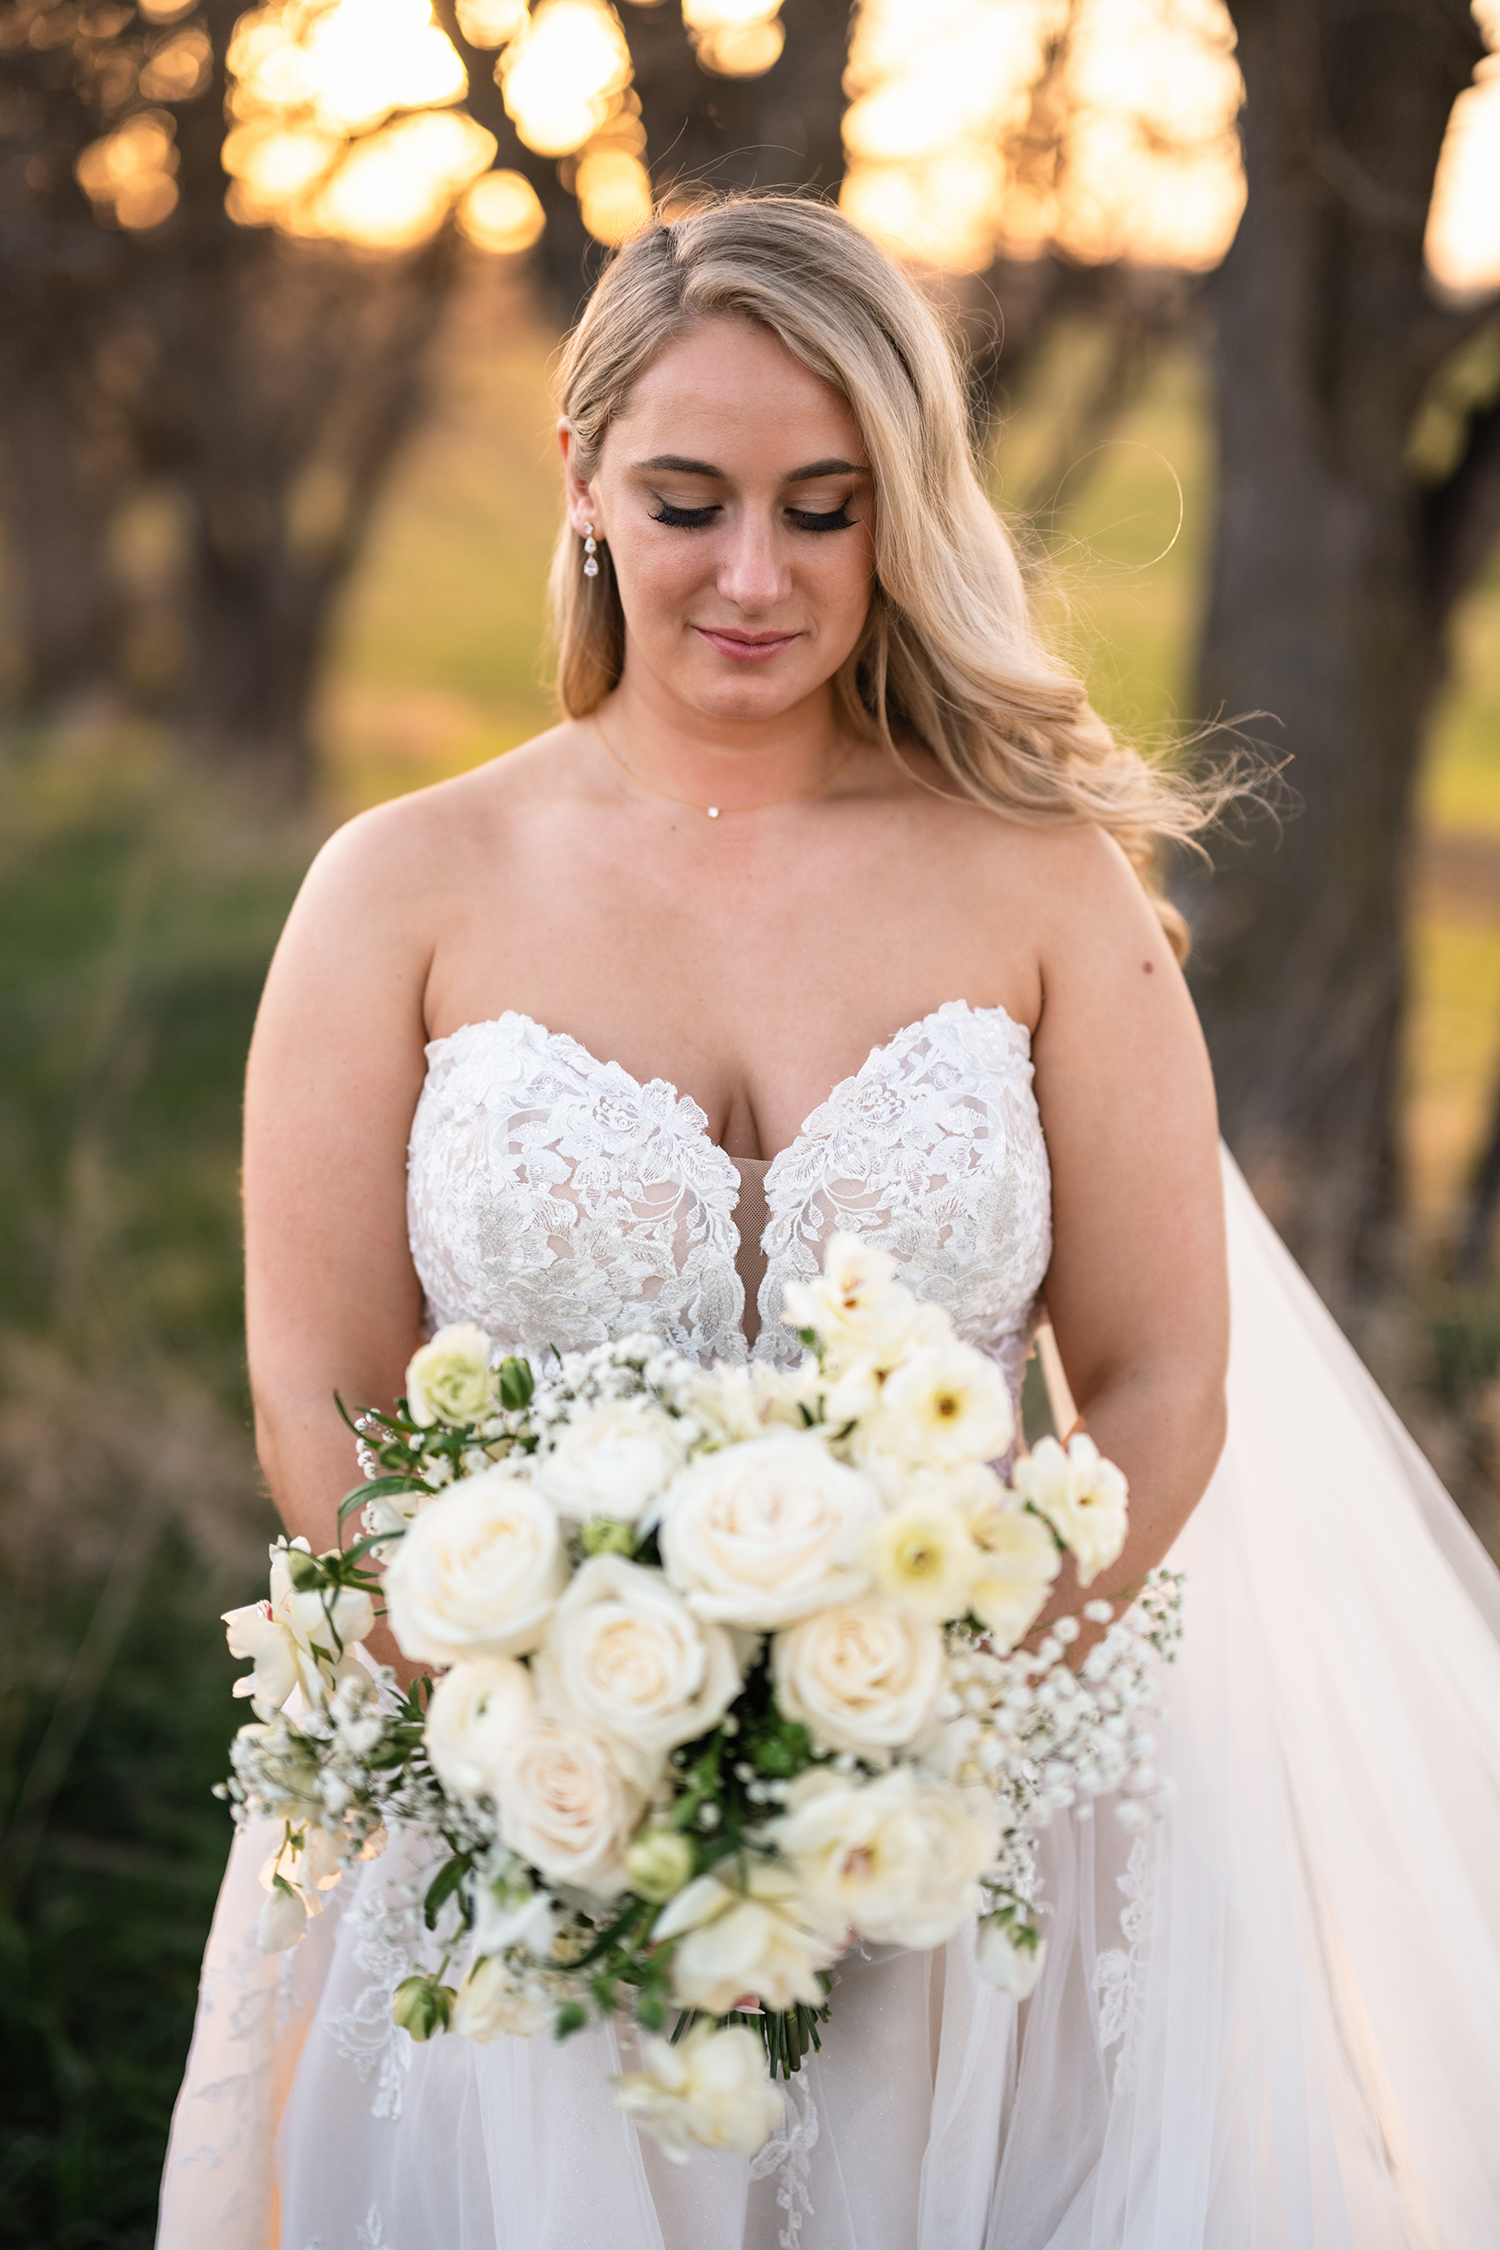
[{"x": 713, "y": 811}]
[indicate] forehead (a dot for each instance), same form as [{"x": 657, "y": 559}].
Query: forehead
[{"x": 736, "y": 383}]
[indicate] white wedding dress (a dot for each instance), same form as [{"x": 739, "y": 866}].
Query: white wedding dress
[{"x": 1272, "y": 2020}]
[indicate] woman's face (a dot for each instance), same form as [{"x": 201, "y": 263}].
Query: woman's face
[{"x": 735, "y": 495}]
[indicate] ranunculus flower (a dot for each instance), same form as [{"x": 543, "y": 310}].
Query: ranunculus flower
[
  {"x": 278, "y": 1637},
  {"x": 1012, "y": 1969},
  {"x": 476, "y": 1709},
  {"x": 450, "y": 1379},
  {"x": 709, "y": 2091},
  {"x": 922, "y": 1558},
  {"x": 751, "y": 1939},
  {"x": 897, "y": 1859},
  {"x": 946, "y": 1405},
  {"x": 478, "y": 1573},
  {"x": 857, "y": 1306},
  {"x": 625, "y": 1658},
  {"x": 863, "y": 1676},
  {"x": 565, "y": 1807},
  {"x": 1018, "y": 1560},
  {"x": 614, "y": 1461},
  {"x": 493, "y": 2002},
  {"x": 733, "y": 1404},
  {"x": 764, "y": 1532},
  {"x": 1082, "y": 1496}
]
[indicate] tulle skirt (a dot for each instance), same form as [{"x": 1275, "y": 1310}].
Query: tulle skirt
[{"x": 1271, "y": 2020}]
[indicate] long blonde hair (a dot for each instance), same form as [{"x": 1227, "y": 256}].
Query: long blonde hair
[{"x": 949, "y": 654}]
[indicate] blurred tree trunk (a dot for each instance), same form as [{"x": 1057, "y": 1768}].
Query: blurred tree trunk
[{"x": 1335, "y": 570}]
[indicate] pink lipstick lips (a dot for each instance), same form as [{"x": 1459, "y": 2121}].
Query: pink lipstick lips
[{"x": 745, "y": 648}]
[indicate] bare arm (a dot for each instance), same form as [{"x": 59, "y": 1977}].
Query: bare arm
[
  {"x": 1137, "y": 1290},
  {"x": 332, "y": 1299}
]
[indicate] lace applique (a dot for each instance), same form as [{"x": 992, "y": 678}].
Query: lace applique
[
  {"x": 556, "y": 1200},
  {"x": 371, "y": 2236},
  {"x": 386, "y": 1938},
  {"x": 789, "y": 2151},
  {"x": 1117, "y": 1974}
]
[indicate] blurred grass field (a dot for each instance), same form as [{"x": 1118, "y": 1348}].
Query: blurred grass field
[{"x": 138, "y": 908}]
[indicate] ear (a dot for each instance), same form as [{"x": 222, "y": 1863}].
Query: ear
[{"x": 582, "y": 507}]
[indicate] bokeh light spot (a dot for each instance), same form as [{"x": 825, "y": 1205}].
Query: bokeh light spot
[
  {"x": 563, "y": 75},
  {"x": 502, "y": 214}
]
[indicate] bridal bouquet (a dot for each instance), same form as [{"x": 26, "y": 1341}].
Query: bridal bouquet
[{"x": 729, "y": 1676}]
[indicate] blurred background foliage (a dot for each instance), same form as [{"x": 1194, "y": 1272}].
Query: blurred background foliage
[{"x": 282, "y": 287}]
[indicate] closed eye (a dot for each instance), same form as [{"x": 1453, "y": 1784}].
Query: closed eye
[
  {"x": 828, "y": 519},
  {"x": 682, "y": 519}
]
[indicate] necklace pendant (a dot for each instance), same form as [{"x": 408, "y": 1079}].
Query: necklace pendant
[{"x": 713, "y": 812}]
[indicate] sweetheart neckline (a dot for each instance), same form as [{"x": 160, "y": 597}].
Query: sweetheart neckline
[{"x": 642, "y": 1085}]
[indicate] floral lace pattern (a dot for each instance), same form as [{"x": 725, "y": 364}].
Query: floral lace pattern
[
  {"x": 557, "y": 1200},
  {"x": 1117, "y": 1974}
]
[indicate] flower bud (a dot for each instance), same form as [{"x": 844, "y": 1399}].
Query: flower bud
[
  {"x": 516, "y": 1384},
  {"x": 283, "y": 1918},
  {"x": 421, "y": 2006},
  {"x": 305, "y": 1571},
  {"x": 658, "y": 1863},
  {"x": 1010, "y": 1955},
  {"x": 604, "y": 1536}
]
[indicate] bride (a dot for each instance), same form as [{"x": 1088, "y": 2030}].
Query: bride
[{"x": 825, "y": 908}]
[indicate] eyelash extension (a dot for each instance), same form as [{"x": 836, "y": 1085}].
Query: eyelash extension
[
  {"x": 682, "y": 519},
  {"x": 806, "y": 519}
]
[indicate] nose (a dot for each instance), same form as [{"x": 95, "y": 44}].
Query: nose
[{"x": 751, "y": 572}]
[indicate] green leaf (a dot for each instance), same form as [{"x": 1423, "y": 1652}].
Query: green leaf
[
  {"x": 570, "y": 2017},
  {"x": 443, "y": 1886}
]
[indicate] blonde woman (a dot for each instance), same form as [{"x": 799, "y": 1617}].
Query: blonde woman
[{"x": 825, "y": 905}]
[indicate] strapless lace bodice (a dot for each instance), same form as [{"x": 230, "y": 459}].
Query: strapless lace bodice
[{"x": 554, "y": 1199}]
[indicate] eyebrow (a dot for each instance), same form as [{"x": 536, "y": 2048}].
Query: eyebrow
[{"x": 678, "y": 464}]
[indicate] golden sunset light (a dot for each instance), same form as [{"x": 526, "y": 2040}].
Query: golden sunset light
[{"x": 941, "y": 166}]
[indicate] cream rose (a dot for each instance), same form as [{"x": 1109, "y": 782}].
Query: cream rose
[
  {"x": 945, "y": 1405},
  {"x": 1082, "y": 1496},
  {"x": 614, "y": 1462},
  {"x": 763, "y": 1533},
  {"x": 709, "y": 2091},
  {"x": 475, "y": 1710},
  {"x": 450, "y": 1379},
  {"x": 565, "y": 1807},
  {"x": 857, "y": 1306},
  {"x": 897, "y": 1859},
  {"x": 751, "y": 1939},
  {"x": 478, "y": 1573},
  {"x": 863, "y": 1676},
  {"x": 493, "y": 2002},
  {"x": 1018, "y": 1560},
  {"x": 625, "y": 1658}
]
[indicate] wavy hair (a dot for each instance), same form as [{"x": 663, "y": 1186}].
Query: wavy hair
[{"x": 950, "y": 654}]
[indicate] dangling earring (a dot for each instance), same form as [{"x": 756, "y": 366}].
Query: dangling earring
[{"x": 590, "y": 552}]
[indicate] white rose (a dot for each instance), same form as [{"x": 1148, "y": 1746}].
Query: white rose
[
  {"x": 493, "y": 2002},
  {"x": 734, "y": 1941},
  {"x": 1018, "y": 1560},
  {"x": 946, "y": 1405},
  {"x": 613, "y": 1462},
  {"x": 1012, "y": 1969},
  {"x": 1082, "y": 1496},
  {"x": 922, "y": 1558},
  {"x": 478, "y": 1573},
  {"x": 863, "y": 1676},
  {"x": 709, "y": 2091},
  {"x": 565, "y": 1807},
  {"x": 898, "y": 1859},
  {"x": 625, "y": 1658},
  {"x": 282, "y": 1637},
  {"x": 765, "y": 1532},
  {"x": 475, "y": 1710},
  {"x": 450, "y": 1379},
  {"x": 857, "y": 1306}
]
